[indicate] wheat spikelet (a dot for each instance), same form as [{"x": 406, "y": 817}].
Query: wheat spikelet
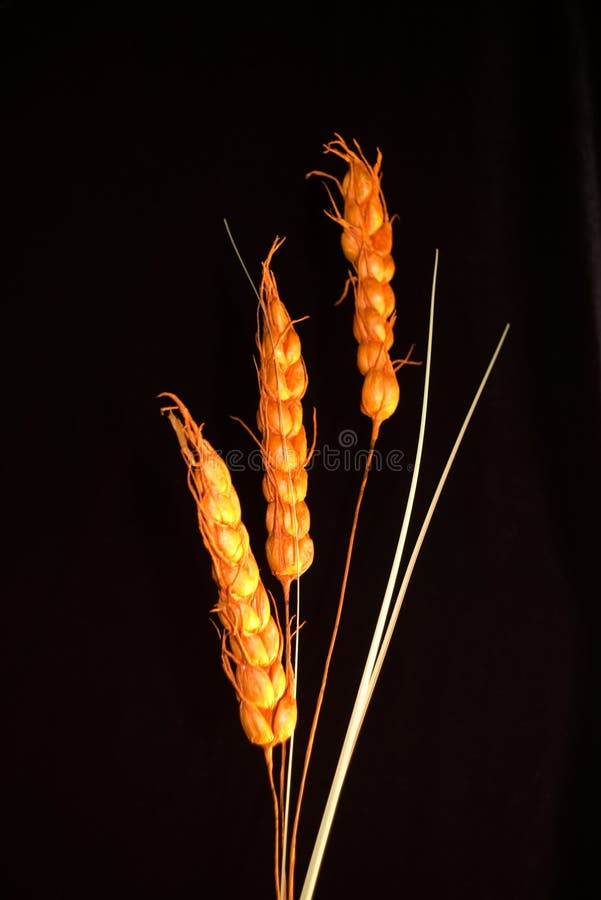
[
  {"x": 282, "y": 384},
  {"x": 367, "y": 244},
  {"x": 252, "y": 640}
]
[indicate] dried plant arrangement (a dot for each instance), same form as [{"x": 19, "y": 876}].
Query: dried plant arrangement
[{"x": 259, "y": 632}]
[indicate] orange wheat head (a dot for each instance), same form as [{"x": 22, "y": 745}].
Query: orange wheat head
[
  {"x": 367, "y": 244},
  {"x": 282, "y": 386},
  {"x": 252, "y": 640}
]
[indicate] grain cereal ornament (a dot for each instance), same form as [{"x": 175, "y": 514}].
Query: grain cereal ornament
[
  {"x": 367, "y": 244},
  {"x": 255, "y": 637},
  {"x": 252, "y": 643},
  {"x": 282, "y": 386}
]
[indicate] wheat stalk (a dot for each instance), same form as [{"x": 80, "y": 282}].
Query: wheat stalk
[
  {"x": 387, "y": 621},
  {"x": 282, "y": 379},
  {"x": 252, "y": 642},
  {"x": 289, "y": 548},
  {"x": 255, "y": 650}
]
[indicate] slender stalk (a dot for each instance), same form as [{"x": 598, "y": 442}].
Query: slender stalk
[
  {"x": 285, "y": 779},
  {"x": 363, "y": 691},
  {"x": 360, "y": 710},
  {"x": 420, "y": 538},
  {"x": 286, "y": 774},
  {"x": 287, "y": 793},
  {"x": 319, "y": 702},
  {"x": 276, "y": 816}
]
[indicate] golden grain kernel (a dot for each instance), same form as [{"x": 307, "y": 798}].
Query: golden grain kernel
[
  {"x": 215, "y": 475},
  {"x": 368, "y": 325},
  {"x": 251, "y": 649},
  {"x": 360, "y": 332},
  {"x": 287, "y": 453},
  {"x": 281, "y": 550},
  {"x": 274, "y": 382},
  {"x": 380, "y": 394},
  {"x": 372, "y": 265},
  {"x": 358, "y": 183},
  {"x": 353, "y": 214},
  {"x": 281, "y": 454},
  {"x": 296, "y": 380},
  {"x": 272, "y": 640},
  {"x": 250, "y": 622},
  {"x": 307, "y": 549},
  {"x": 232, "y": 543},
  {"x": 279, "y": 320},
  {"x": 255, "y": 685},
  {"x": 275, "y": 416},
  {"x": 293, "y": 518},
  {"x": 255, "y": 725},
  {"x": 381, "y": 240},
  {"x": 241, "y": 579},
  {"x": 284, "y": 718},
  {"x": 290, "y": 347},
  {"x": 285, "y": 418},
  {"x": 376, "y": 294},
  {"x": 261, "y": 605},
  {"x": 269, "y": 485},
  {"x": 238, "y": 617},
  {"x": 221, "y": 508},
  {"x": 270, "y": 515},
  {"x": 371, "y": 355},
  {"x": 373, "y": 215},
  {"x": 289, "y": 487},
  {"x": 278, "y": 679},
  {"x": 351, "y": 242}
]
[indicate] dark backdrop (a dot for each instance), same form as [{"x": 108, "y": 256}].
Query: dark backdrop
[{"x": 127, "y": 139}]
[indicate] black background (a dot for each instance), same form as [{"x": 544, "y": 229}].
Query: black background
[{"x": 127, "y": 139}]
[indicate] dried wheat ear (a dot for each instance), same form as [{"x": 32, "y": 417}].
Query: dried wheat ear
[
  {"x": 367, "y": 244},
  {"x": 282, "y": 386},
  {"x": 252, "y": 641}
]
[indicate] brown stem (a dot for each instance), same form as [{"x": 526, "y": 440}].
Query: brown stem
[
  {"x": 282, "y": 794},
  {"x": 288, "y": 662},
  {"x": 276, "y": 814},
  {"x": 286, "y": 589},
  {"x": 320, "y": 696}
]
